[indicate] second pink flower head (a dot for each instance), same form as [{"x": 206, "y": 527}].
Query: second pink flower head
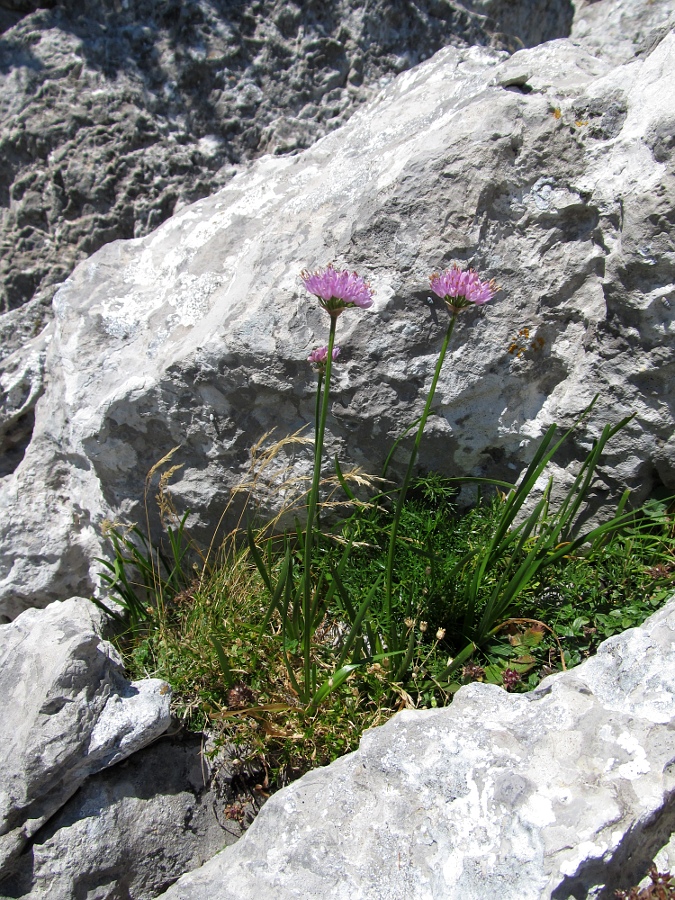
[{"x": 461, "y": 288}]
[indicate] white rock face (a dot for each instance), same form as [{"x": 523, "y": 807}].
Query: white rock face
[
  {"x": 551, "y": 171},
  {"x": 621, "y": 29},
  {"x": 562, "y": 793},
  {"x": 114, "y": 116},
  {"x": 67, "y": 712}
]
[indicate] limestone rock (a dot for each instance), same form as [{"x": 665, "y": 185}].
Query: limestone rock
[
  {"x": 131, "y": 830},
  {"x": 550, "y": 170},
  {"x": 529, "y": 23},
  {"x": 67, "y": 712},
  {"x": 21, "y": 384},
  {"x": 616, "y": 30},
  {"x": 562, "y": 793},
  {"x": 115, "y": 114}
]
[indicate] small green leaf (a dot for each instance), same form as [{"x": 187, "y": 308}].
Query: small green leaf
[{"x": 493, "y": 674}]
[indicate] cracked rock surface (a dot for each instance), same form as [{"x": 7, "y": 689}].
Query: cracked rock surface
[
  {"x": 565, "y": 792},
  {"x": 114, "y": 114},
  {"x": 131, "y": 830},
  {"x": 68, "y": 712}
]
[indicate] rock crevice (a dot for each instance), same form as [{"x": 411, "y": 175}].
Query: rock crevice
[{"x": 566, "y": 792}]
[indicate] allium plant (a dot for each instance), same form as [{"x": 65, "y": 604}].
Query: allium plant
[
  {"x": 300, "y": 608},
  {"x": 338, "y": 290},
  {"x": 459, "y": 289}
]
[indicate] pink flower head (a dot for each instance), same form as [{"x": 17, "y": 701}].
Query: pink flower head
[
  {"x": 338, "y": 290},
  {"x": 320, "y": 355},
  {"x": 460, "y": 288}
]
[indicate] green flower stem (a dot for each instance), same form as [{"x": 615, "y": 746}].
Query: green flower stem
[
  {"x": 317, "y": 407},
  {"x": 393, "y": 634},
  {"x": 311, "y": 513},
  {"x": 317, "y": 414}
]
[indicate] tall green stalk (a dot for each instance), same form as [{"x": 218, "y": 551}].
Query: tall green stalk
[
  {"x": 324, "y": 397},
  {"x": 317, "y": 410},
  {"x": 393, "y": 632},
  {"x": 318, "y": 448}
]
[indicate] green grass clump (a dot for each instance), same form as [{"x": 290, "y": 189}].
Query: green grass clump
[
  {"x": 560, "y": 617},
  {"x": 229, "y": 676},
  {"x": 228, "y": 659}
]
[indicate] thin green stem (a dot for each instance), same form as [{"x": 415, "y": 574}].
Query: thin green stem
[
  {"x": 317, "y": 408},
  {"x": 311, "y": 515},
  {"x": 317, "y": 414},
  {"x": 393, "y": 633}
]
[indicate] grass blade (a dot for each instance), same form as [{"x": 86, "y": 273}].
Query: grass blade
[
  {"x": 341, "y": 478},
  {"x": 355, "y": 630},
  {"x": 396, "y": 443},
  {"x": 222, "y": 659},
  {"x": 259, "y": 561}
]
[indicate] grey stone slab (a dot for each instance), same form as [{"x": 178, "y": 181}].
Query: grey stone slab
[
  {"x": 67, "y": 712},
  {"x": 131, "y": 829}
]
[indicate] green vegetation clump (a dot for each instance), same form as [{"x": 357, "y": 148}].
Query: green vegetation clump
[
  {"x": 208, "y": 631},
  {"x": 287, "y": 644}
]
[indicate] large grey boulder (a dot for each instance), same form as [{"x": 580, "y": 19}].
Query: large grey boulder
[
  {"x": 131, "y": 830},
  {"x": 565, "y": 793},
  {"x": 550, "y": 170},
  {"x": 113, "y": 116},
  {"x": 67, "y": 712}
]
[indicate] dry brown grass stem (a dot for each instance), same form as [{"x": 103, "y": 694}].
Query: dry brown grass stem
[
  {"x": 167, "y": 511},
  {"x": 271, "y": 472}
]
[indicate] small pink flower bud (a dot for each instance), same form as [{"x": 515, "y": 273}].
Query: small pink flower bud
[{"x": 320, "y": 355}]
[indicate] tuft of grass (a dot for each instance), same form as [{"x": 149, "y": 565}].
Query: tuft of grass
[
  {"x": 228, "y": 659},
  {"x": 230, "y": 678},
  {"x": 201, "y": 620},
  {"x": 478, "y": 595},
  {"x": 560, "y": 616}
]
